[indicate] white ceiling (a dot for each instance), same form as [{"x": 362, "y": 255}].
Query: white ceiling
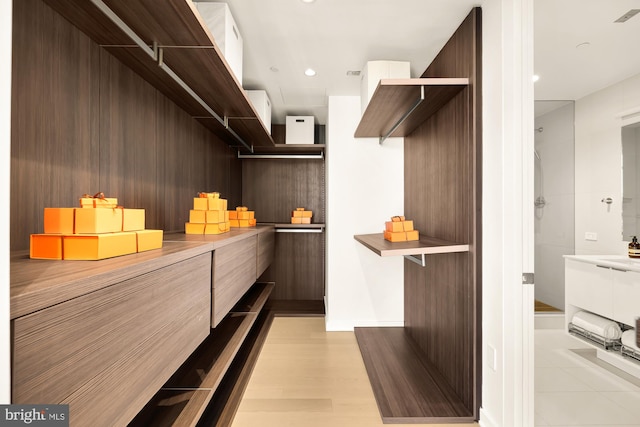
[{"x": 334, "y": 36}]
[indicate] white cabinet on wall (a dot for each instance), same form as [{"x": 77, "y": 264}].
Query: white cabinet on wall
[{"x": 218, "y": 19}]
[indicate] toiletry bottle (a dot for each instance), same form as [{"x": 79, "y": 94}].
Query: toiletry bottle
[{"x": 634, "y": 248}]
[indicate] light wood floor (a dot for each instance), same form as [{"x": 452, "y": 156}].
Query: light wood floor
[
  {"x": 308, "y": 377},
  {"x": 542, "y": 307}
]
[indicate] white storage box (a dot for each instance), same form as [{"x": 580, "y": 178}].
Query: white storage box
[
  {"x": 218, "y": 19},
  {"x": 299, "y": 130},
  {"x": 373, "y": 71},
  {"x": 261, "y": 103}
]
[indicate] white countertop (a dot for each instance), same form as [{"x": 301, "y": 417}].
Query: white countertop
[{"x": 619, "y": 262}]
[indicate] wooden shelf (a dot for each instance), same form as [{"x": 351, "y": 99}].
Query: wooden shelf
[
  {"x": 298, "y": 226},
  {"x": 407, "y": 388},
  {"x": 395, "y": 98},
  {"x": 426, "y": 245},
  {"x": 292, "y": 149},
  {"x": 188, "y": 49},
  {"x": 183, "y": 399}
]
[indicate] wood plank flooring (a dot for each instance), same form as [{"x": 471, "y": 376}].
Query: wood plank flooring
[
  {"x": 540, "y": 306},
  {"x": 308, "y": 377}
]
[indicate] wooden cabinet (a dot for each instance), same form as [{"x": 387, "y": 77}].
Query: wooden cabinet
[
  {"x": 266, "y": 251},
  {"x": 106, "y": 352},
  {"x": 233, "y": 271}
]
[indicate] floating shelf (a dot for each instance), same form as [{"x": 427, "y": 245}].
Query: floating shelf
[
  {"x": 183, "y": 47},
  {"x": 426, "y": 245},
  {"x": 286, "y": 151},
  {"x": 399, "y": 106}
]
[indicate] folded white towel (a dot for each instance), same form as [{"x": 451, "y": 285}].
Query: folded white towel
[
  {"x": 629, "y": 339},
  {"x": 597, "y": 324}
]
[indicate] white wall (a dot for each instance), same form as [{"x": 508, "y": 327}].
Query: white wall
[
  {"x": 599, "y": 167},
  {"x": 365, "y": 187},
  {"x": 5, "y": 155},
  {"x": 555, "y": 181}
]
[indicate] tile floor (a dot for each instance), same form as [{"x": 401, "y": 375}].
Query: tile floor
[{"x": 573, "y": 388}]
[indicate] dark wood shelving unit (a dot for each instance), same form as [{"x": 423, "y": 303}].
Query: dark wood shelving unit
[
  {"x": 187, "y": 49},
  {"x": 408, "y": 389},
  {"x": 397, "y": 106},
  {"x": 184, "y": 398}
]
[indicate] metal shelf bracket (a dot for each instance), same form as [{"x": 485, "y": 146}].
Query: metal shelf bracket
[
  {"x": 420, "y": 260},
  {"x": 404, "y": 116}
]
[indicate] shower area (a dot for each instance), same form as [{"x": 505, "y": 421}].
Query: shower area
[{"x": 554, "y": 196}]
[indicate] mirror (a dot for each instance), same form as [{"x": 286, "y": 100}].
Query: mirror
[{"x": 630, "y": 181}]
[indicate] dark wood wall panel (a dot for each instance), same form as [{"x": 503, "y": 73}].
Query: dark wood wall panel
[
  {"x": 82, "y": 122},
  {"x": 273, "y": 188},
  {"x": 54, "y": 149},
  {"x": 443, "y": 197},
  {"x": 298, "y": 267}
]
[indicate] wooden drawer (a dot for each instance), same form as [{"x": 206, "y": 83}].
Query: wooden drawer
[
  {"x": 234, "y": 271},
  {"x": 106, "y": 353},
  {"x": 266, "y": 251}
]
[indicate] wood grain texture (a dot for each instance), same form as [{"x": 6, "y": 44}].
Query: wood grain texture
[
  {"x": 266, "y": 251},
  {"x": 274, "y": 188},
  {"x": 406, "y": 387},
  {"x": 443, "y": 194},
  {"x": 83, "y": 122},
  {"x": 38, "y": 284},
  {"x": 298, "y": 267},
  {"x": 426, "y": 245},
  {"x": 234, "y": 271},
  {"x": 95, "y": 339}
]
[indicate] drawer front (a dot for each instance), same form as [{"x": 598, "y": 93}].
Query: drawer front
[
  {"x": 266, "y": 251},
  {"x": 234, "y": 271},
  {"x": 95, "y": 338},
  {"x": 589, "y": 287},
  {"x": 626, "y": 295}
]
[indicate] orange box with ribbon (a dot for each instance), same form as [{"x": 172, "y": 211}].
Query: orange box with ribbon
[
  {"x": 147, "y": 240},
  {"x": 59, "y": 220},
  {"x": 98, "y": 246},
  {"x": 132, "y": 219},
  {"x": 98, "y": 200},
  {"x": 96, "y": 221}
]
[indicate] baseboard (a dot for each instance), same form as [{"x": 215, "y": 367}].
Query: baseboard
[
  {"x": 486, "y": 420},
  {"x": 348, "y": 325}
]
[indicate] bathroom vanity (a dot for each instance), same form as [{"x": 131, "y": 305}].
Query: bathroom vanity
[{"x": 609, "y": 286}]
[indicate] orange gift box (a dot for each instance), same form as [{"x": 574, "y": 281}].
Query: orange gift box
[
  {"x": 305, "y": 220},
  {"x": 407, "y": 225},
  {"x": 253, "y": 222},
  {"x": 194, "y": 228},
  {"x": 200, "y": 204},
  {"x": 148, "y": 240},
  {"x": 96, "y": 221},
  {"x": 399, "y": 236},
  {"x": 394, "y": 226},
  {"x": 234, "y": 223},
  {"x": 98, "y": 201},
  {"x": 233, "y": 215},
  {"x": 215, "y": 217},
  {"x": 307, "y": 214},
  {"x": 98, "y": 246},
  {"x": 397, "y": 218},
  {"x": 241, "y": 209},
  {"x": 246, "y": 214},
  {"x": 296, "y": 214},
  {"x": 243, "y": 222},
  {"x": 413, "y": 235},
  {"x": 133, "y": 219},
  {"x": 45, "y": 246},
  {"x": 59, "y": 220},
  {"x": 296, "y": 220},
  {"x": 220, "y": 228},
  {"x": 197, "y": 216}
]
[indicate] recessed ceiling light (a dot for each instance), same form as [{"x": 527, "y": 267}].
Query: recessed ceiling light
[
  {"x": 536, "y": 78},
  {"x": 309, "y": 72},
  {"x": 308, "y": 1}
]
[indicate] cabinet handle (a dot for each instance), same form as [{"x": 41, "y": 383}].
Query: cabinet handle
[
  {"x": 603, "y": 266},
  {"x": 619, "y": 269}
]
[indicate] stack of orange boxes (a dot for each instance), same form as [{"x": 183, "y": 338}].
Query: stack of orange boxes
[
  {"x": 99, "y": 229},
  {"x": 300, "y": 216},
  {"x": 208, "y": 216},
  {"x": 242, "y": 217},
  {"x": 400, "y": 230}
]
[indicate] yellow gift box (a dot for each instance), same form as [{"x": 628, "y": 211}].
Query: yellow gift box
[
  {"x": 45, "y": 246},
  {"x": 297, "y": 213},
  {"x": 59, "y": 220},
  {"x": 148, "y": 239},
  {"x": 193, "y": 228},
  {"x": 209, "y": 203},
  {"x": 96, "y": 221},
  {"x": 296, "y": 220},
  {"x": 200, "y": 204},
  {"x": 220, "y": 228},
  {"x": 413, "y": 235},
  {"x": 407, "y": 225},
  {"x": 246, "y": 214},
  {"x": 305, "y": 220},
  {"x": 98, "y": 201},
  {"x": 307, "y": 214},
  {"x": 243, "y": 222},
  {"x": 394, "y": 226},
  {"x": 197, "y": 216},
  {"x": 399, "y": 236},
  {"x": 215, "y": 216},
  {"x": 217, "y": 204},
  {"x": 133, "y": 219},
  {"x": 235, "y": 223},
  {"x": 98, "y": 246}
]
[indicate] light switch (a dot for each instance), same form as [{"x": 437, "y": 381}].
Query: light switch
[{"x": 590, "y": 235}]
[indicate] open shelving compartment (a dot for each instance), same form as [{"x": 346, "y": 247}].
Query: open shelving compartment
[{"x": 185, "y": 397}]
